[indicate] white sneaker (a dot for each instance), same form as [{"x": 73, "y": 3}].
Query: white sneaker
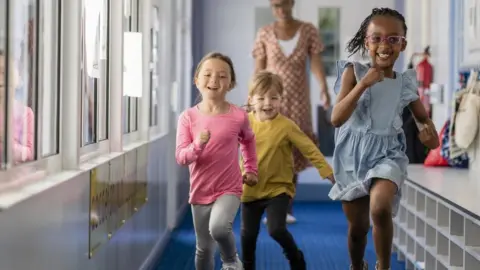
[
  {"x": 237, "y": 265},
  {"x": 291, "y": 219}
]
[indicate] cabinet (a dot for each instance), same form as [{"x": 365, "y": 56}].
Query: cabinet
[{"x": 432, "y": 234}]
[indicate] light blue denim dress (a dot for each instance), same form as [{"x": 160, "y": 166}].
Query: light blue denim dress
[{"x": 371, "y": 144}]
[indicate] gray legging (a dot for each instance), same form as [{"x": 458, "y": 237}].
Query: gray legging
[{"x": 213, "y": 223}]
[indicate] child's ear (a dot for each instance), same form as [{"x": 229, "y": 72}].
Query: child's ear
[
  {"x": 195, "y": 81},
  {"x": 404, "y": 45}
]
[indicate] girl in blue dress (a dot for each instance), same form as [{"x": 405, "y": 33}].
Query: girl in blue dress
[{"x": 369, "y": 161}]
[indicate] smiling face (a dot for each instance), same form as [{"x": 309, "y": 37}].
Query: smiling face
[
  {"x": 214, "y": 79},
  {"x": 385, "y": 39},
  {"x": 266, "y": 105}
]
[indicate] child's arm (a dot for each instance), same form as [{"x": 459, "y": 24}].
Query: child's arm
[
  {"x": 25, "y": 151},
  {"x": 350, "y": 93},
  {"x": 187, "y": 150},
  {"x": 428, "y": 133},
  {"x": 305, "y": 145},
  {"x": 248, "y": 148}
]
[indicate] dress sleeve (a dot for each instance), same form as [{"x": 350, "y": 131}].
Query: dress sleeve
[
  {"x": 358, "y": 68},
  {"x": 259, "y": 50},
  {"x": 315, "y": 44},
  {"x": 410, "y": 87}
]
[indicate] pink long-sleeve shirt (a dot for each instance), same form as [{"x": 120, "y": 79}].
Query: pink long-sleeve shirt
[
  {"x": 214, "y": 168},
  {"x": 23, "y": 133}
]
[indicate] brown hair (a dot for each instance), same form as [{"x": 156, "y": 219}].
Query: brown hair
[
  {"x": 219, "y": 56},
  {"x": 224, "y": 58}
]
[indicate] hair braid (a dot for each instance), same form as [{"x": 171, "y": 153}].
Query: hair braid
[{"x": 357, "y": 42}]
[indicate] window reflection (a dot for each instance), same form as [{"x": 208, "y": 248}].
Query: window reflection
[
  {"x": 49, "y": 73},
  {"x": 21, "y": 80},
  {"x": 94, "y": 79},
  {"x": 130, "y": 104},
  {"x": 154, "y": 68},
  {"x": 3, "y": 109}
]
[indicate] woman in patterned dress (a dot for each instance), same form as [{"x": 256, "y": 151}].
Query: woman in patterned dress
[{"x": 284, "y": 47}]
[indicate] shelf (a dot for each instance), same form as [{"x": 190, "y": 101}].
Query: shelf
[{"x": 431, "y": 233}]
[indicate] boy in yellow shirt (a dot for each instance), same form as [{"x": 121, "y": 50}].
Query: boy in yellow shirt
[{"x": 275, "y": 137}]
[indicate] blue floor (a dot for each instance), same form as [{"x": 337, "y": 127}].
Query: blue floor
[{"x": 320, "y": 233}]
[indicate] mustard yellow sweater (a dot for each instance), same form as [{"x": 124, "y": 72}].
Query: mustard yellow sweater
[{"x": 275, "y": 140}]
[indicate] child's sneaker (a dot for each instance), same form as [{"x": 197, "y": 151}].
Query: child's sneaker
[
  {"x": 365, "y": 266},
  {"x": 237, "y": 265},
  {"x": 290, "y": 219}
]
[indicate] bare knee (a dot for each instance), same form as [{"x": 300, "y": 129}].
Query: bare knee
[
  {"x": 358, "y": 231},
  {"x": 381, "y": 213},
  {"x": 381, "y": 200}
]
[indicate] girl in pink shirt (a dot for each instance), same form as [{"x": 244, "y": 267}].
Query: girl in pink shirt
[
  {"x": 208, "y": 136},
  {"x": 23, "y": 118}
]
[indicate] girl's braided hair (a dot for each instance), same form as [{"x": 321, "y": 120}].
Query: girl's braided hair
[{"x": 357, "y": 42}]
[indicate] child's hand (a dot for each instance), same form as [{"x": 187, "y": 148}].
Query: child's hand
[
  {"x": 428, "y": 135},
  {"x": 374, "y": 74},
  {"x": 203, "y": 137},
  {"x": 331, "y": 178},
  {"x": 250, "y": 179}
]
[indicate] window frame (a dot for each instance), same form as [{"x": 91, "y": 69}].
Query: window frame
[
  {"x": 42, "y": 165},
  {"x": 98, "y": 147}
]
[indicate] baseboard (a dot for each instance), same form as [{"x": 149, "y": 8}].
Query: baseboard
[{"x": 156, "y": 253}]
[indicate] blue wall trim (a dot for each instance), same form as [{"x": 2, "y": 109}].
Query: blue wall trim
[{"x": 197, "y": 40}]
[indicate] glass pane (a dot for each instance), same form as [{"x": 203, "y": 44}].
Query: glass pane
[
  {"x": 127, "y": 27},
  {"x": 133, "y": 114},
  {"x": 49, "y": 75},
  {"x": 154, "y": 64},
  {"x": 3, "y": 109},
  {"x": 94, "y": 79},
  {"x": 104, "y": 79},
  {"x": 126, "y": 119},
  {"x": 22, "y": 68}
]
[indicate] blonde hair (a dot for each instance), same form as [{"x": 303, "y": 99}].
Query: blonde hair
[{"x": 263, "y": 81}]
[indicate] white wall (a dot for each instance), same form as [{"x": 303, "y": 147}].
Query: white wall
[
  {"x": 429, "y": 23},
  {"x": 234, "y": 34}
]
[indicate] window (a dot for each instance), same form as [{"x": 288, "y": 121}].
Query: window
[
  {"x": 3, "y": 81},
  {"x": 95, "y": 70},
  {"x": 130, "y": 103},
  {"x": 154, "y": 67},
  {"x": 21, "y": 81},
  {"x": 49, "y": 62}
]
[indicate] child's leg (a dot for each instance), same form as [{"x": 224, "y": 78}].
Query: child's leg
[
  {"x": 277, "y": 228},
  {"x": 382, "y": 194},
  {"x": 205, "y": 246},
  {"x": 251, "y": 216},
  {"x": 290, "y": 205},
  {"x": 356, "y": 212},
  {"x": 223, "y": 214}
]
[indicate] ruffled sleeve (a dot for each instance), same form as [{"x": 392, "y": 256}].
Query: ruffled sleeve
[
  {"x": 409, "y": 87},
  {"x": 358, "y": 68}
]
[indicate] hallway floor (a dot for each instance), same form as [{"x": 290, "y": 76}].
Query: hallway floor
[{"x": 320, "y": 232}]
